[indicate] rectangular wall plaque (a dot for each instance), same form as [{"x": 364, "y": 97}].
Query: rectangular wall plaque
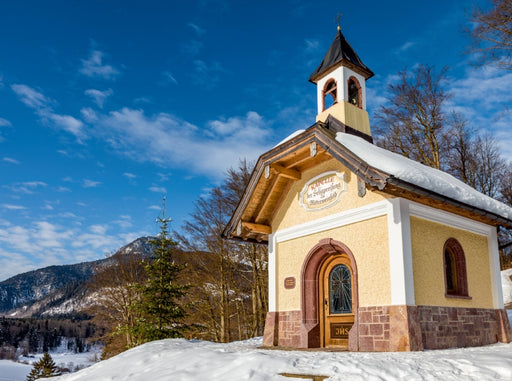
[{"x": 289, "y": 282}]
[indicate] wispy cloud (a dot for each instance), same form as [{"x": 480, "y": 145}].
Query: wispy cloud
[
  {"x": 197, "y": 29},
  {"x": 27, "y": 187},
  {"x": 207, "y": 74},
  {"x": 99, "y": 96},
  {"x": 44, "y": 108},
  {"x": 169, "y": 141},
  {"x": 13, "y": 207},
  {"x": 480, "y": 95},
  {"x": 94, "y": 67},
  {"x": 4, "y": 122},
  {"x": 130, "y": 176},
  {"x": 168, "y": 78},
  {"x": 124, "y": 221},
  {"x": 45, "y": 243},
  {"x": 157, "y": 189},
  {"x": 11, "y": 160},
  {"x": 406, "y": 46},
  {"x": 90, "y": 183}
]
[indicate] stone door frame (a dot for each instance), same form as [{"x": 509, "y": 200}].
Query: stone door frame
[{"x": 310, "y": 292}]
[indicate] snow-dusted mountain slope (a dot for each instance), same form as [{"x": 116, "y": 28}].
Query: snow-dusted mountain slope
[{"x": 57, "y": 290}]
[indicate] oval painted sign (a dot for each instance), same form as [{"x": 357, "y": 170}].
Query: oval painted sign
[{"x": 322, "y": 191}]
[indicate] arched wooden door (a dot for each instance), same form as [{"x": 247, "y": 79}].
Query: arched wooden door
[{"x": 336, "y": 302}]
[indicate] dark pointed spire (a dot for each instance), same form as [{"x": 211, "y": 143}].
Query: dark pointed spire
[{"x": 341, "y": 51}]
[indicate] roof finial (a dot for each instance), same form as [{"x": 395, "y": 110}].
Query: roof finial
[{"x": 338, "y": 17}]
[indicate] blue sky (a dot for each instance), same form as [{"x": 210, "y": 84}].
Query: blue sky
[{"x": 107, "y": 106}]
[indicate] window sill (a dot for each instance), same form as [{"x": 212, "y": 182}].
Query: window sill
[{"x": 455, "y": 296}]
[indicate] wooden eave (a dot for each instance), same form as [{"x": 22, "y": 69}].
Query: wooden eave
[
  {"x": 275, "y": 173},
  {"x": 279, "y": 168},
  {"x": 400, "y": 188}
]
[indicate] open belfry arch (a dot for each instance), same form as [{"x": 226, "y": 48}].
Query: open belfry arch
[{"x": 368, "y": 250}]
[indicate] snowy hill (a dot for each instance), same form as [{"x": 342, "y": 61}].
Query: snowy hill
[{"x": 178, "y": 359}]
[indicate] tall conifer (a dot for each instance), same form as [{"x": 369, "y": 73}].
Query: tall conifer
[{"x": 161, "y": 311}]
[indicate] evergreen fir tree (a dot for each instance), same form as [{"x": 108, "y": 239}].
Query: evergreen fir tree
[
  {"x": 161, "y": 313},
  {"x": 43, "y": 368}
]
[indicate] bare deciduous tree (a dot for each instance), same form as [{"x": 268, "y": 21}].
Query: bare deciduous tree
[
  {"x": 256, "y": 255},
  {"x": 231, "y": 279},
  {"x": 114, "y": 285},
  {"x": 412, "y": 123},
  {"x": 491, "y": 34}
]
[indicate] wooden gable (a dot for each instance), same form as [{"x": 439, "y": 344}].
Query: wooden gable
[{"x": 279, "y": 168}]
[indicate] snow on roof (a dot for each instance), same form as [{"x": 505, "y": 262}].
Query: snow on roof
[
  {"x": 289, "y": 137},
  {"x": 421, "y": 175}
]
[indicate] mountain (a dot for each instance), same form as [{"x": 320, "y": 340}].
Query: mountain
[{"x": 58, "y": 290}]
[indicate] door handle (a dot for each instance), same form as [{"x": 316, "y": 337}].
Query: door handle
[{"x": 326, "y": 303}]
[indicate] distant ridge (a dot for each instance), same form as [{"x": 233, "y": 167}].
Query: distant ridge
[{"x": 58, "y": 290}]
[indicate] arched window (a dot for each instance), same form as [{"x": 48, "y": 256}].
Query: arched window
[
  {"x": 330, "y": 88},
  {"x": 354, "y": 92},
  {"x": 455, "y": 276}
]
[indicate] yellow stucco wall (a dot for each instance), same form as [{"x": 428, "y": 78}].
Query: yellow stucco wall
[
  {"x": 428, "y": 239},
  {"x": 371, "y": 256},
  {"x": 291, "y": 213},
  {"x": 349, "y": 114}
]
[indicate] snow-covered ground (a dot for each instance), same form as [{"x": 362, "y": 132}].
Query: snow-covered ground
[
  {"x": 179, "y": 359},
  {"x": 192, "y": 360}
]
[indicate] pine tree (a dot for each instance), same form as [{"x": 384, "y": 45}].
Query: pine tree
[
  {"x": 160, "y": 309},
  {"x": 43, "y": 368}
]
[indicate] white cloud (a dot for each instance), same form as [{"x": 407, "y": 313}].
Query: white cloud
[
  {"x": 98, "y": 229},
  {"x": 199, "y": 31},
  {"x": 90, "y": 183},
  {"x": 406, "y": 46},
  {"x": 130, "y": 176},
  {"x": 4, "y": 122},
  {"x": 480, "y": 96},
  {"x": 95, "y": 68},
  {"x": 45, "y": 243},
  {"x": 27, "y": 187},
  {"x": 43, "y": 107},
  {"x": 13, "y": 207},
  {"x": 99, "y": 96},
  {"x": 32, "y": 98},
  {"x": 157, "y": 189},
  {"x": 169, "y": 78},
  {"x": 10, "y": 160},
  {"x": 124, "y": 222},
  {"x": 168, "y": 141},
  {"x": 312, "y": 45},
  {"x": 67, "y": 123}
]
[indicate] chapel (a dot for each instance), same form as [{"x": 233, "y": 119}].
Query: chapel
[{"x": 368, "y": 250}]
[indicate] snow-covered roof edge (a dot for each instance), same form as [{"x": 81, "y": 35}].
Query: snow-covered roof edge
[{"x": 421, "y": 175}]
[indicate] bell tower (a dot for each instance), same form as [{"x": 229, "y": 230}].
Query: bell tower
[{"x": 341, "y": 86}]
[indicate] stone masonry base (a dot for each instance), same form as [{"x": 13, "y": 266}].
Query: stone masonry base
[{"x": 399, "y": 328}]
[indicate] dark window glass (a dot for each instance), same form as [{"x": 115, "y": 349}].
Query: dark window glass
[
  {"x": 451, "y": 276},
  {"x": 340, "y": 290}
]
